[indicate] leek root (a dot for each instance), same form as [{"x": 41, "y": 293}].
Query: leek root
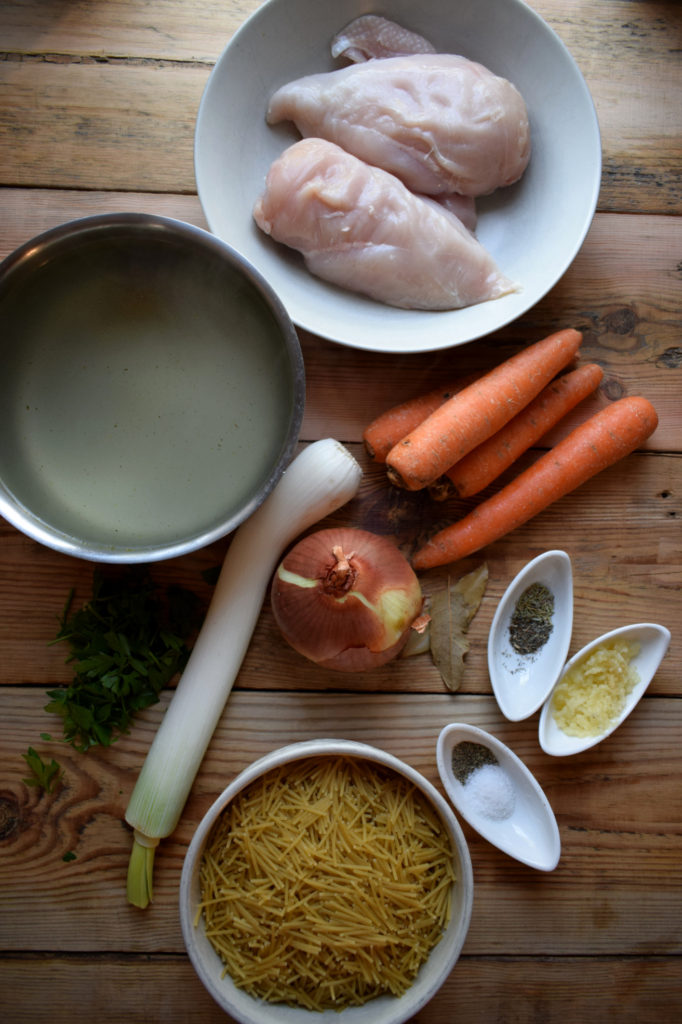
[{"x": 322, "y": 478}]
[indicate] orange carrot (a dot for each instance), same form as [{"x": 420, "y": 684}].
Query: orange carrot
[
  {"x": 599, "y": 442},
  {"x": 480, "y": 410},
  {"x": 486, "y": 462},
  {"x": 396, "y": 423}
]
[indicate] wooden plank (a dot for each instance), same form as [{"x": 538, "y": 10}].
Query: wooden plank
[
  {"x": 641, "y": 990},
  {"x": 99, "y": 104},
  {"x": 619, "y": 577},
  {"x": 623, "y": 290},
  {"x": 139, "y": 109},
  {"x": 180, "y": 30},
  {"x": 99, "y": 125},
  {"x": 617, "y": 887},
  {"x": 629, "y": 56},
  {"x": 25, "y": 213}
]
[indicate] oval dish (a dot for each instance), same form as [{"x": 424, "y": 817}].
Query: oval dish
[
  {"x": 654, "y": 641},
  {"x": 521, "y": 682},
  {"x": 530, "y": 834}
]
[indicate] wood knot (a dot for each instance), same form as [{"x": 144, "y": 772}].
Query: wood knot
[
  {"x": 621, "y": 321},
  {"x": 9, "y": 817},
  {"x": 612, "y": 388},
  {"x": 671, "y": 359}
]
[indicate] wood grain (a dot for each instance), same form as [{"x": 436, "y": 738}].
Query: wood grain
[
  {"x": 64, "y": 127},
  {"x": 624, "y": 291},
  {"x": 97, "y": 114},
  {"x": 94, "y": 99},
  {"x": 170, "y": 30},
  {"x": 594, "y": 796},
  {"x": 479, "y": 990},
  {"x": 641, "y": 567}
]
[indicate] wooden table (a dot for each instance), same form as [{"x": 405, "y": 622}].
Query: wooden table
[{"x": 97, "y": 110}]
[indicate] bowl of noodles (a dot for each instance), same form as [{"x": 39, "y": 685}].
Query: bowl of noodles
[{"x": 330, "y": 880}]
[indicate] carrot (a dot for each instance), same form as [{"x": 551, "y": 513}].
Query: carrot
[
  {"x": 599, "y": 442},
  {"x": 486, "y": 462},
  {"x": 396, "y": 423},
  {"x": 478, "y": 411}
]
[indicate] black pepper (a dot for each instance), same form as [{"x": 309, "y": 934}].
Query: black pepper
[
  {"x": 467, "y": 757},
  {"x": 531, "y": 623}
]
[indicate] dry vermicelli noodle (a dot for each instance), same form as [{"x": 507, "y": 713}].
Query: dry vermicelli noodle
[{"x": 326, "y": 883}]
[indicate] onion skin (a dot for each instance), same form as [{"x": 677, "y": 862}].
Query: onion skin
[{"x": 346, "y": 599}]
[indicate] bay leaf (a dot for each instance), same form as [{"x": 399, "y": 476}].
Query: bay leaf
[{"x": 452, "y": 610}]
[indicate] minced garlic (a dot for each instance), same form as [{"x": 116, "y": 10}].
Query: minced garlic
[{"x": 593, "y": 692}]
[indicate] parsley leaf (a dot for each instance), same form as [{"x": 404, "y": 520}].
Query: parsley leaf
[
  {"x": 43, "y": 775},
  {"x": 126, "y": 643}
]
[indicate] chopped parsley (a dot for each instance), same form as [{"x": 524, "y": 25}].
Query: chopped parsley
[{"x": 126, "y": 643}]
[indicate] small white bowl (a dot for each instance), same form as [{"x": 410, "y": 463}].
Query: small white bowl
[
  {"x": 530, "y": 833},
  {"x": 653, "y": 641},
  {"x": 533, "y": 229},
  {"x": 521, "y": 682},
  {"x": 383, "y": 1010}
]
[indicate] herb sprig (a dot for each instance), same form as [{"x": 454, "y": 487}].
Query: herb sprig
[
  {"x": 44, "y": 775},
  {"x": 126, "y": 643}
]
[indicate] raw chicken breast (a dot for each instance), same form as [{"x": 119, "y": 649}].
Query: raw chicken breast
[
  {"x": 463, "y": 207},
  {"x": 371, "y": 36},
  {"x": 440, "y": 122},
  {"x": 361, "y": 228}
]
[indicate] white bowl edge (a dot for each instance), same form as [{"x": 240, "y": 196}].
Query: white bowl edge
[
  {"x": 385, "y": 1009},
  {"x": 285, "y": 39}
]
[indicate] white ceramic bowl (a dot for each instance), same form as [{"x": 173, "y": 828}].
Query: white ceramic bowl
[
  {"x": 152, "y": 388},
  {"x": 521, "y": 682},
  {"x": 384, "y": 1010},
  {"x": 653, "y": 640},
  {"x": 530, "y": 833},
  {"x": 533, "y": 229}
]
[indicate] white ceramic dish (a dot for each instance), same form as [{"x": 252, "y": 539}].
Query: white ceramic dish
[
  {"x": 653, "y": 640},
  {"x": 521, "y": 682},
  {"x": 384, "y": 1010},
  {"x": 530, "y": 834},
  {"x": 533, "y": 229}
]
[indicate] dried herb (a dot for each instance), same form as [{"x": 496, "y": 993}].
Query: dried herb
[
  {"x": 127, "y": 642},
  {"x": 43, "y": 775},
  {"x": 467, "y": 757},
  {"x": 531, "y": 623},
  {"x": 452, "y": 610}
]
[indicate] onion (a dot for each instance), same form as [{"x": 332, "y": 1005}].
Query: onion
[{"x": 346, "y": 599}]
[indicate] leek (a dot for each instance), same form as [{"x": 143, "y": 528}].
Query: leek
[{"x": 322, "y": 478}]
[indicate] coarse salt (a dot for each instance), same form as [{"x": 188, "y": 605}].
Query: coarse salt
[{"x": 491, "y": 792}]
